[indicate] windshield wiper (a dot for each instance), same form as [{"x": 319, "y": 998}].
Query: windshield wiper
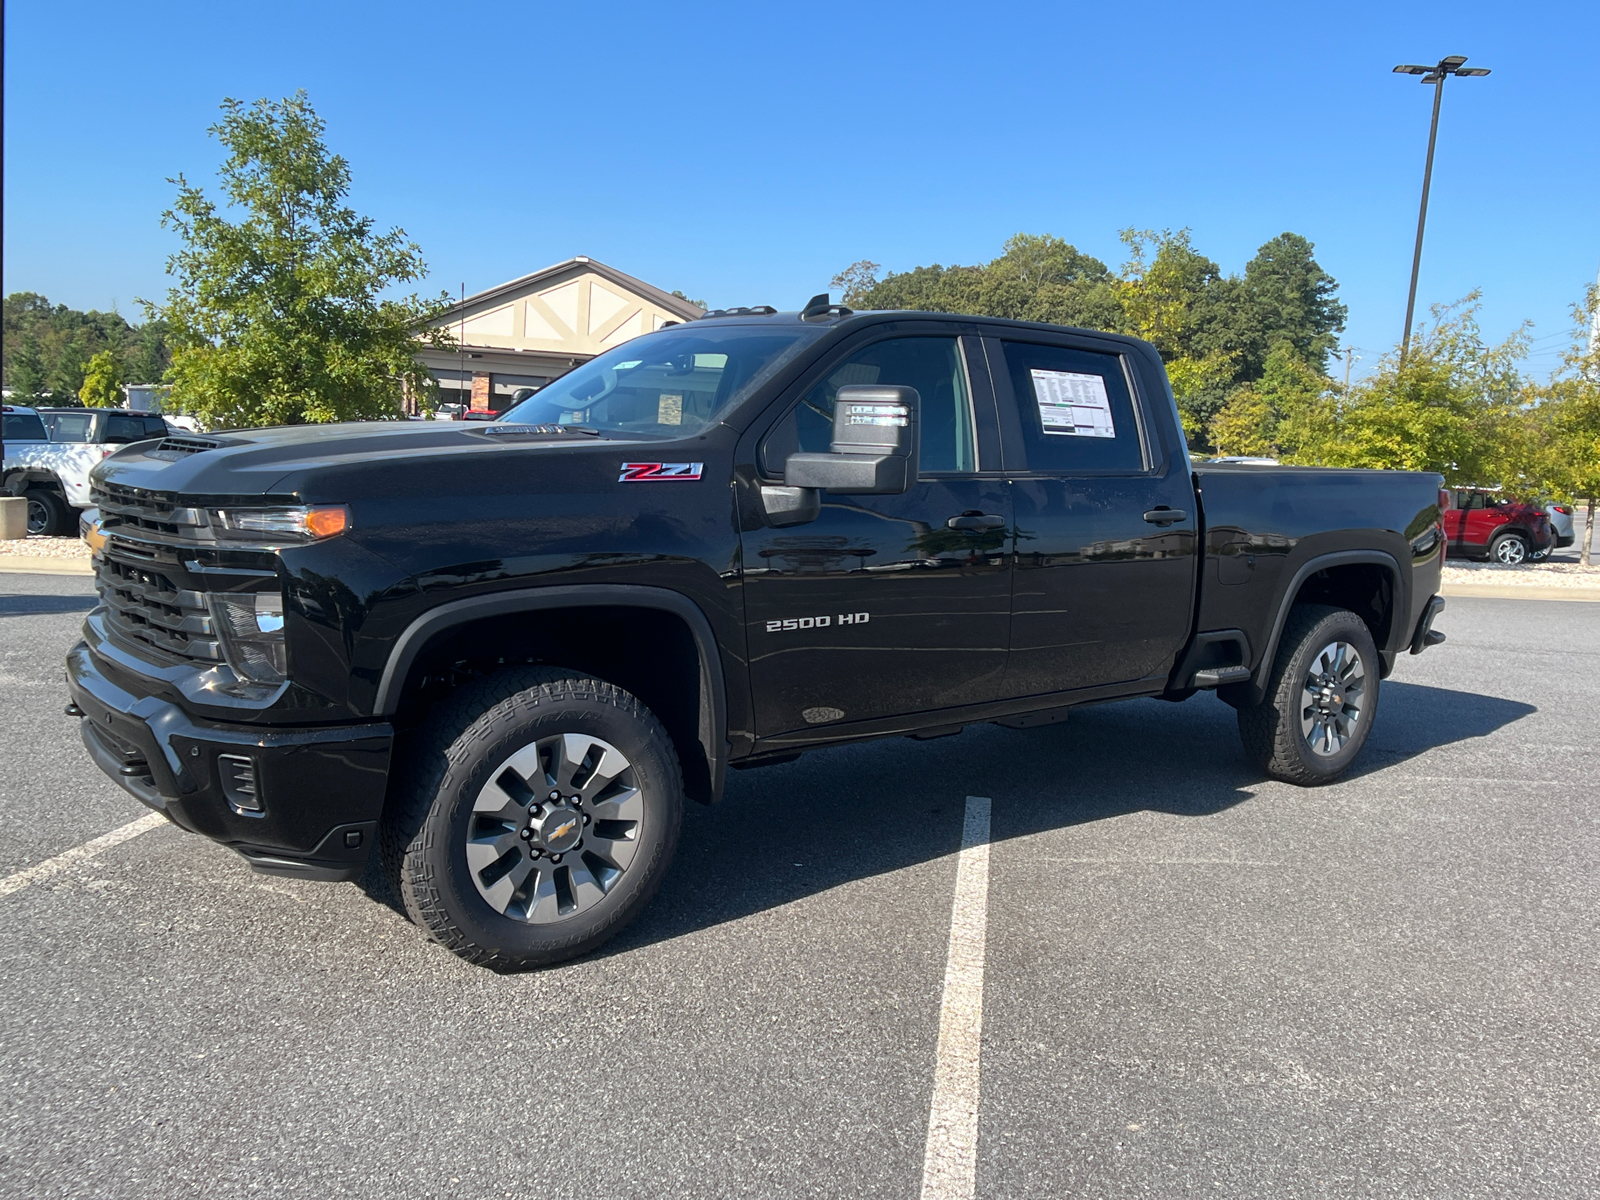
[{"x": 497, "y": 429}]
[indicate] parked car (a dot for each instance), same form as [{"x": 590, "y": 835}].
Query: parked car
[
  {"x": 1561, "y": 526},
  {"x": 1483, "y": 523},
  {"x": 721, "y": 545},
  {"x": 50, "y": 452}
]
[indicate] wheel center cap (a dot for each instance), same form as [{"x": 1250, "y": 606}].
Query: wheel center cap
[{"x": 559, "y": 829}]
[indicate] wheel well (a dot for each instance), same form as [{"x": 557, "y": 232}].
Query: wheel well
[
  {"x": 649, "y": 652},
  {"x": 1366, "y": 589}
]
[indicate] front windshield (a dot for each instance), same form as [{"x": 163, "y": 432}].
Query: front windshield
[{"x": 673, "y": 383}]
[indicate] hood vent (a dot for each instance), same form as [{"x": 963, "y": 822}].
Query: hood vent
[{"x": 174, "y": 448}]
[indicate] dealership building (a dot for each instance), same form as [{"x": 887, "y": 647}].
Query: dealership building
[{"x": 524, "y": 333}]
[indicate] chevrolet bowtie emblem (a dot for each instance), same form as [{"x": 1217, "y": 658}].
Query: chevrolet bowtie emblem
[{"x": 554, "y": 834}]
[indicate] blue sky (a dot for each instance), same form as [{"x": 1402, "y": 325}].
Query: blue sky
[{"x": 745, "y": 153}]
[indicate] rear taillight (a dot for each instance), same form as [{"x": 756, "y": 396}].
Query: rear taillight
[
  {"x": 1444, "y": 499},
  {"x": 1564, "y": 509}
]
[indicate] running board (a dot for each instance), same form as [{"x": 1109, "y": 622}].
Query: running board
[{"x": 1213, "y": 677}]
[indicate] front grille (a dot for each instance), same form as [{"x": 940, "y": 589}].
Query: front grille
[
  {"x": 158, "y": 569},
  {"x": 145, "y": 606}
]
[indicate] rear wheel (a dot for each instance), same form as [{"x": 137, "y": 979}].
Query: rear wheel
[
  {"x": 1321, "y": 698},
  {"x": 535, "y": 820},
  {"x": 47, "y": 513},
  {"x": 1511, "y": 549}
]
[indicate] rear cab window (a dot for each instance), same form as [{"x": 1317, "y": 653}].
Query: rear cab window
[
  {"x": 23, "y": 427},
  {"x": 1074, "y": 411}
]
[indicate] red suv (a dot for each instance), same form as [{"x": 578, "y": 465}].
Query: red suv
[{"x": 1481, "y": 523}]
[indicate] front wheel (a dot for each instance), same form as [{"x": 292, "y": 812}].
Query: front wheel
[
  {"x": 1510, "y": 549},
  {"x": 536, "y": 820},
  {"x": 47, "y": 514},
  {"x": 1321, "y": 698}
]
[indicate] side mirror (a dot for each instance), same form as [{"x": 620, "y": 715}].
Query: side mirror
[{"x": 874, "y": 449}]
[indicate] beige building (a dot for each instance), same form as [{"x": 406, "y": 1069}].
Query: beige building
[{"x": 524, "y": 333}]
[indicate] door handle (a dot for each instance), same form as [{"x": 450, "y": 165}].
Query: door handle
[
  {"x": 975, "y": 520},
  {"x": 1166, "y": 516}
]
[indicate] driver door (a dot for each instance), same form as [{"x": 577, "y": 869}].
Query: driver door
[{"x": 879, "y": 607}]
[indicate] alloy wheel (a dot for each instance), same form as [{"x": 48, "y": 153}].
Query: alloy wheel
[
  {"x": 1333, "y": 698},
  {"x": 38, "y": 516},
  {"x": 555, "y": 828},
  {"x": 1511, "y": 551}
]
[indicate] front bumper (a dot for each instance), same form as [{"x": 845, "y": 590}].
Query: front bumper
[{"x": 319, "y": 790}]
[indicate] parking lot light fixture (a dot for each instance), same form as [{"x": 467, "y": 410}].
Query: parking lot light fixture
[{"x": 1436, "y": 75}]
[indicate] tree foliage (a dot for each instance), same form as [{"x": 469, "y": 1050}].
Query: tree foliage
[
  {"x": 279, "y": 315},
  {"x": 1214, "y": 331},
  {"x": 102, "y": 382},
  {"x": 48, "y": 348}
]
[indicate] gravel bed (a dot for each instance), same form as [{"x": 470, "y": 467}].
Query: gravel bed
[
  {"x": 45, "y": 547},
  {"x": 1545, "y": 574}
]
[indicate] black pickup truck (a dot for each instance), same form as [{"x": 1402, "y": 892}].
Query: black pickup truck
[{"x": 498, "y": 656}]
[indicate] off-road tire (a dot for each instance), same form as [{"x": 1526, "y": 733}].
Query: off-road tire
[
  {"x": 438, "y": 776},
  {"x": 1505, "y": 543},
  {"x": 47, "y": 513},
  {"x": 1272, "y": 731}
]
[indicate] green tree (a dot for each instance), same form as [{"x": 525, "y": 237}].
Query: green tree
[
  {"x": 102, "y": 382},
  {"x": 1294, "y": 302},
  {"x": 66, "y": 375},
  {"x": 1215, "y": 332},
  {"x": 25, "y": 369},
  {"x": 1288, "y": 410},
  {"x": 278, "y": 317},
  {"x": 1452, "y": 408},
  {"x": 1561, "y": 442}
]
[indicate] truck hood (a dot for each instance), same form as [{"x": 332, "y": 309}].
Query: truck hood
[{"x": 277, "y": 461}]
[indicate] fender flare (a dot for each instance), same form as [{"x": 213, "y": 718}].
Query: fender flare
[
  {"x": 713, "y": 716},
  {"x": 1340, "y": 558}
]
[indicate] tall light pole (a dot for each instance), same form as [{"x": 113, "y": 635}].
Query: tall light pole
[{"x": 1436, "y": 76}]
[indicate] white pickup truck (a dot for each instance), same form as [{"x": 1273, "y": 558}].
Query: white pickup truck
[{"x": 50, "y": 452}]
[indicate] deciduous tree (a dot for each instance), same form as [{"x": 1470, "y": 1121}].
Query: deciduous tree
[
  {"x": 279, "y": 315},
  {"x": 102, "y": 382}
]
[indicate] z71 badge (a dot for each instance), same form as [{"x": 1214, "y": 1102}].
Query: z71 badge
[{"x": 649, "y": 472}]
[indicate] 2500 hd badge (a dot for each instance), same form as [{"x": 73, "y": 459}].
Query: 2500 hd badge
[{"x": 788, "y": 624}]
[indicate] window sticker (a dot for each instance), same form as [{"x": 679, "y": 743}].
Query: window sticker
[
  {"x": 669, "y": 409},
  {"x": 1073, "y": 405}
]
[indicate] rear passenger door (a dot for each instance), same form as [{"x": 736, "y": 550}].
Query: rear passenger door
[{"x": 1103, "y": 585}]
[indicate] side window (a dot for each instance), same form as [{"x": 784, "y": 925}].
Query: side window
[
  {"x": 932, "y": 365},
  {"x": 155, "y": 427},
  {"x": 1074, "y": 408},
  {"x": 122, "y": 430}
]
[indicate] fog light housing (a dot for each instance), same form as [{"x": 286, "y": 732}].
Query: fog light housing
[
  {"x": 251, "y": 628},
  {"x": 240, "y": 784}
]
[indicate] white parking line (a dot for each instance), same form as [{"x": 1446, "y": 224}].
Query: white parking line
[
  {"x": 94, "y": 846},
  {"x": 950, "y": 1162}
]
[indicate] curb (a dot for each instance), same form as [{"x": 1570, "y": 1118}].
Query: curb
[
  {"x": 1514, "y": 592},
  {"x": 44, "y": 566}
]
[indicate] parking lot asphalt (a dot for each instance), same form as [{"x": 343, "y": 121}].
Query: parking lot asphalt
[{"x": 1197, "y": 982}]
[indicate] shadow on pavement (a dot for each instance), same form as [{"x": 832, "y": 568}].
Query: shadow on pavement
[
  {"x": 25, "y": 606},
  {"x": 787, "y": 832}
]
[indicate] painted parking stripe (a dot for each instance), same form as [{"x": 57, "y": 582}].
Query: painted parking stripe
[
  {"x": 94, "y": 846},
  {"x": 950, "y": 1162}
]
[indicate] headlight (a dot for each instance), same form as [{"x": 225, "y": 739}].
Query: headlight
[
  {"x": 301, "y": 523},
  {"x": 251, "y": 628}
]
